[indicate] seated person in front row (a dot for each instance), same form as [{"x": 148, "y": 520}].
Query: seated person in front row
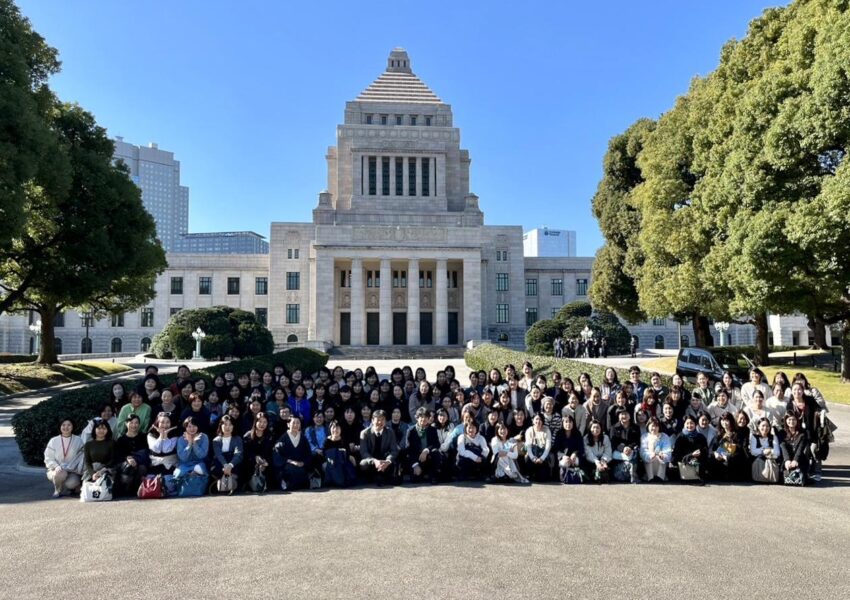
[
  {"x": 424, "y": 461},
  {"x": 379, "y": 451},
  {"x": 472, "y": 450}
]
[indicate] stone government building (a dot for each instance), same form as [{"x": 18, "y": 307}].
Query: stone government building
[{"x": 397, "y": 253}]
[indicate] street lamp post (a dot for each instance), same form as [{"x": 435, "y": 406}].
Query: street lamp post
[
  {"x": 36, "y": 329},
  {"x": 722, "y": 327},
  {"x": 199, "y": 335},
  {"x": 86, "y": 317}
]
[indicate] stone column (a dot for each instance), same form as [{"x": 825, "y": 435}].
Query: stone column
[
  {"x": 358, "y": 314},
  {"x": 379, "y": 166},
  {"x": 471, "y": 299},
  {"x": 386, "y": 302},
  {"x": 418, "y": 160},
  {"x": 441, "y": 175},
  {"x": 392, "y": 178},
  {"x": 357, "y": 174},
  {"x": 405, "y": 177},
  {"x": 323, "y": 302},
  {"x": 441, "y": 304},
  {"x": 413, "y": 302}
]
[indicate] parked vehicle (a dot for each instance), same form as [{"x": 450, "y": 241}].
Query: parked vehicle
[{"x": 692, "y": 361}]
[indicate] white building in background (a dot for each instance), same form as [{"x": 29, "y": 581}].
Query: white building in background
[
  {"x": 397, "y": 252},
  {"x": 549, "y": 243},
  {"x": 158, "y": 176}
]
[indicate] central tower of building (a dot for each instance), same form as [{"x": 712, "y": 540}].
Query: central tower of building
[{"x": 397, "y": 253}]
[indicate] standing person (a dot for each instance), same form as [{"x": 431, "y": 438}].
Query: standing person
[
  {"x": 633, "y": 344},
  {"x": 379, "y": 451},
  {"x": 756, "y": 382},
  {"x": 603, "y": 346},
  {"x": 64, "y": 458}
]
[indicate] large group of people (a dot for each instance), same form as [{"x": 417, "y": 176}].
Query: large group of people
[{"x": 280, "y": 430}]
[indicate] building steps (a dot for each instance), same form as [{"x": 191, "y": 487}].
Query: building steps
[{"x": 395, "y": 352}]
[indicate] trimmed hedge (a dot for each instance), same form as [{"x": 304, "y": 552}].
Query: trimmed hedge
[
  {"x": 14, "y": 359},
  {"x": 488, "y": 356},
  {"x": 35, "y": 426}
]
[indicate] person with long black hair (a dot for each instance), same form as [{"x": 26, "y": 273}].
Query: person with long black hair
[{"x": 690, "y": 452}]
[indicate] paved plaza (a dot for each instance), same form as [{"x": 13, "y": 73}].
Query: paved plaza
[{"x": 447, "y": 541}]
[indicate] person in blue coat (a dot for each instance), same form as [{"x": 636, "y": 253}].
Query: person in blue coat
[
  {"x": 300, "y": 405},
  {"x": 192, "y": 450},
  {"x": 316, "y": 435},
  {"x": 228, "y": 450}
]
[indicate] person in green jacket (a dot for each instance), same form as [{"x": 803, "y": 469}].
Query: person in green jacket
[{"x": 136, "y": 407}]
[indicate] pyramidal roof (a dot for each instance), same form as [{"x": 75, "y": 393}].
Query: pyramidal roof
[{"x": 398, "y": 84}]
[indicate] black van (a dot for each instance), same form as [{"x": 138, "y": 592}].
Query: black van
[{"x": 692, "y": 361}]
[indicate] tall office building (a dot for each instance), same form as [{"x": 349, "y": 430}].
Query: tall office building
[
  {"x": 158, "y": 176},
  {"x": 549, "y": 243}
]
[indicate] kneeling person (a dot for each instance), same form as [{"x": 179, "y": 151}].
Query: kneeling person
[{"x": 424, "y": 460}]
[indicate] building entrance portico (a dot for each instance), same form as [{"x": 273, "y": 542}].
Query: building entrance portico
[{"x": 370, "y": 296}]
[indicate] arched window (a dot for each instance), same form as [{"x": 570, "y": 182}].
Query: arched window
[
  {"x": 146, "y": 344},
  {"x": 57, "y": 345},
  {"x": 116, "y": 345},
  {"x": 292, "y": 338},
  {"x": 659, "y": 342},
  {"x": 85, "y": 346},
  {"x": 686, "y": 341}
]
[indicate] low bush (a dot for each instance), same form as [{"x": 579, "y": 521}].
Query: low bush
[
  {"x": 35, "y": 426},
  {"x": 229, "y": 332},
  {"x": 13, "y": 359}
]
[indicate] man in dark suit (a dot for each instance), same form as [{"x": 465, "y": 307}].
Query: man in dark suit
[
  {"x": 379, "y": 451},
  {"x": 424, "y": 460}
]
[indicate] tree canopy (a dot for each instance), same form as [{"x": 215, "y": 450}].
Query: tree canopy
[
  {"x": 741, "y": 188},
  {"x": 229, "y": 332}
]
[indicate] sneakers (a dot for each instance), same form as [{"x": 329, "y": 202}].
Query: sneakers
[{"x": 282, "y": 486}]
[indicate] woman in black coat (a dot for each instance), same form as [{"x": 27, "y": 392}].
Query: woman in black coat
[
  {"x": 691, "y": 447},
  {"x": 292, "y": 457},
  {"x": 729, "y": 452},
  {"x": 796, "y": 452}
]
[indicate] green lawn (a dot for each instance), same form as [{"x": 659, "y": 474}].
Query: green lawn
[{"x": 23, "y": 377}]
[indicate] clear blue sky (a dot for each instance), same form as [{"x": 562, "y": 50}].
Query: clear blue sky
[{"x": 248, "y": 94}]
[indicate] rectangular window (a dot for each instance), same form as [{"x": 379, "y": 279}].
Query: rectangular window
[
  {"x": 555, "y": 311},
  {"x": 659, "y": 322},
  {"x": 293, "y": 280},
  {"x": 501, "y": 313},
  {"x": 292, "y": 313},
  {"x": 296, "y": 253},
  {"x": 289, "y": 253},
  {"x": 373, "y": 279},
  {"x": 530, "y": 287},
  {"x": 383, "y": 119},
  {"x": 147, "y": 317},
  {"x": 501, "y": 282},
  {"x": 530, "y": 316},
  {"x": 557, "y": 287},
  {"x": 232, "y": 286},
  {"x": 425, "y": 279},
  {"x": 368, "y": 119},
  {"x": 502, "y": 255},
  {"x": 204, "y": 286},
  {"x": 399, "y": 176},
  {"x": 261, "y": 286},
  {"x": 411, "y": 176},
  {"x": 581, "y": 287},
  {"x": 373, "y": 175},
  {"x": 398, "y": 119},
  {"x": 174, "y": 310},
  {"x": 87, "y": 320},
  {"x": 176, "y": 285},
  {"x": 118, "y": 320},
  {"x": 345, "y": 279},
  {"x": 452, "y": 280},
  {"x": 413, "y": 119},
  {"x": 427, "y": 120},
  {"x": 385, "y": 175},
  {"x": 59, "y": 319},
  {"x": 399, "y": 279},
  {"x": 262, "y": 315},
  {"x": 426, "y": 176}
]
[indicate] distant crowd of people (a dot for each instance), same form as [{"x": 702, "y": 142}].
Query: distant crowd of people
[
  {"x": 255, "y": 432},
  {"x": 580, "y": 348}
]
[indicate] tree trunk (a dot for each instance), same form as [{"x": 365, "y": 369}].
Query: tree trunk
[
  {"x": 47, "y": 347},
  {"x": 702, "y": 331},
  {"x": 845, "y": 352},
  {"x": 817, "y": 325},
  {"x": 762, "y": 345}
]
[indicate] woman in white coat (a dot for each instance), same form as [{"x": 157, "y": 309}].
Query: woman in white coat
[{"x": 64, "y": 460}]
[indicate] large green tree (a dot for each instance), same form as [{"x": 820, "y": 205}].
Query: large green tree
[
  {"x": 92, "y": 246},
  {"x": 30, "y": 157}
]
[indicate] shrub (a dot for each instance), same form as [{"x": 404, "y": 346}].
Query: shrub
[
  {"x": 14, "y": 359},
  {"x": 35, "y": 426},
  {"x": 570, "y": 321},
  {"x": 574, "y": 309},
  {"x": 539, "y": 337},
  {"x": 229, "y": 332}
]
